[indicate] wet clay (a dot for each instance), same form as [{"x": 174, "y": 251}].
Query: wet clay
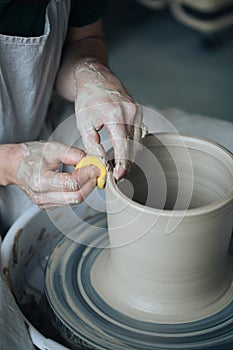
[
  {"x": 169, "y": 233},
  {"x": 103, "y": 101}
]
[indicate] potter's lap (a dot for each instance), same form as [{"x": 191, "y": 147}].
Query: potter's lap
[{"x": 15, "y": 335}]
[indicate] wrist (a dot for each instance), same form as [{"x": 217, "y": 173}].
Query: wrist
[
  {"x": 10, "y": 157},
  {"x": 87, "y": 62},
  {"x": 87, "y": 65}
]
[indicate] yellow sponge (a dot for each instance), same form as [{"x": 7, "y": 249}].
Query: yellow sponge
[{"x": 93, "y": 160}]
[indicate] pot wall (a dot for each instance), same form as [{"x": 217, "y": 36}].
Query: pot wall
[{"x": 170, "y": 265}]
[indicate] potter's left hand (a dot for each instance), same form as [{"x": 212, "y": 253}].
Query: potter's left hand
[{"x": 103, "y": 101}]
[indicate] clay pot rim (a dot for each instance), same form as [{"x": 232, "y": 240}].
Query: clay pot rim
[{"x": 204, "y": 209}]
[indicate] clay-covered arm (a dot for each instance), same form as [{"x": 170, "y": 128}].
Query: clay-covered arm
[
  {"x": 10, "y": 155},
  {"x": 100, "y": 98}
]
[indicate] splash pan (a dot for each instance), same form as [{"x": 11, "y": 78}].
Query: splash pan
[
  {"x": 81, "y": 317},
  {"x": 79, "y": 312}
]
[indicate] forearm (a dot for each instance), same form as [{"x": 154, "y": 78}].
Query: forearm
[
  {"x": 100, "y": 98},
  {"x": 74, "y": 52},
  {"x": 10, "y": 155}
]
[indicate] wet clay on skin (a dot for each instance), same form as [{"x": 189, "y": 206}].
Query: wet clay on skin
[{"x": 102, "y": 101}]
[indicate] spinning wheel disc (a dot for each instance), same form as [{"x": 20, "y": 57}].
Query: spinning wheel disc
[{"x": 88, "y": 322}]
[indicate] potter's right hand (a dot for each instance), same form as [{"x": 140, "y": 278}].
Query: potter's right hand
[{"x": 36, "y": 170}]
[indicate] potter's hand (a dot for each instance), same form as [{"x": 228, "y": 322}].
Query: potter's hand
[
  {"x": 102, "y": 101},
  {"x": 38, "y": 174}
]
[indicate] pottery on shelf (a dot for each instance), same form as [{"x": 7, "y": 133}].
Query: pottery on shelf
[{"x": 169, "y": 224}]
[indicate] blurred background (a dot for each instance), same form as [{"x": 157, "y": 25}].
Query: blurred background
[{"x": 174, "y": 56}]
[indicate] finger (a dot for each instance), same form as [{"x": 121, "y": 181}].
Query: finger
[
  {"x": 59, "y": 182},
  {"x": 51, "y": 200},
  {"x": 137, "y": 134},
  {"x": 56, "y": 151},
  {"x": 134, "y": 134},
  {"x": 138, "y": 115},
  {"x": 139, "y": 124},
  {"x": 118, "y": 136},
  {"x": 119, "y": 171},
  {"x": 133, "y": 146},
  {"x": 73, "y": 156},
  {"x": 91, "y": 141},
  {"x": 85, "y": 174},
  {"x": 120, "y": 142},
  {"x": 130, "y": 131}
]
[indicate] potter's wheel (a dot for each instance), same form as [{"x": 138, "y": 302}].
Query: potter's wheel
[{"x": 87, "y": 322}]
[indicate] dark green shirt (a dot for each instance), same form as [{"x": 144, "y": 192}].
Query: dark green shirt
[{"x": 27, "y": 17}]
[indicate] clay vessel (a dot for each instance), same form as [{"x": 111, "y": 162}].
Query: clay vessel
[{"x": 170, "y": 225}]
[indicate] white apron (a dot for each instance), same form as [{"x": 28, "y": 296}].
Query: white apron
[{"x": 28, "y": 68}]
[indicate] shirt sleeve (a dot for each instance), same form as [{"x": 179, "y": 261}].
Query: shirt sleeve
[{"x": 84, "y": 12}]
